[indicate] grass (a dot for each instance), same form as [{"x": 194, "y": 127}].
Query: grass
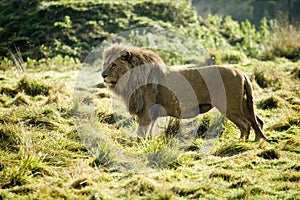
[
  {"x": 44, "y": 157},
  {"x": 286, "y": 41}
]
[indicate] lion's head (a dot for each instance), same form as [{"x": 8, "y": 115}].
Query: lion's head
[
  {"x": 129, "y": 70},
  {"x": 120, "y": 58}
]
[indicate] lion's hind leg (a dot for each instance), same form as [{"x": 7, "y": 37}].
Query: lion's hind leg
[
  {"x": 243, "y": 124},
  {"x": 261, "y": 122}
]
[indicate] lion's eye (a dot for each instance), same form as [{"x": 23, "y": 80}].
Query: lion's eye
[{"x": 113, "y": 66}]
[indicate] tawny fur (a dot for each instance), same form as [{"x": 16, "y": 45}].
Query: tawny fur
[{"x": 151, "y": 90}]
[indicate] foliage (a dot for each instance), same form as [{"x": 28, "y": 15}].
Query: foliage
[{"x": 74, "y": 28}]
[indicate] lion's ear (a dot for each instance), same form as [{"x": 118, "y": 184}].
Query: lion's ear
[{"x": 126, "y": 55}]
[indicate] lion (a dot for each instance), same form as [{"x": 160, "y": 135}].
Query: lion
[{"x": 151, "y": 90}]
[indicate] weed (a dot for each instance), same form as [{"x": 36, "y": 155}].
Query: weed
[
  {"x": 22, "y": 173},
  {"x": 15, "y": 176},
  {"x": 227, "y": 57},
  {"x": 196, "y": 145},
  {"x": 163, "y": 158}
]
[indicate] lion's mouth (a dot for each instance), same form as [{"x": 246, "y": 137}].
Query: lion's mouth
[{"x": 110, "y": 83}]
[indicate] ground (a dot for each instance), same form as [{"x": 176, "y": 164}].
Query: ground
[{"x": 44, "y": 157}]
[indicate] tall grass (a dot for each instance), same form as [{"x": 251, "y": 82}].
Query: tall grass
[
  {"x": 283, "y": 41},
  {"x": 286, "y": 42}
]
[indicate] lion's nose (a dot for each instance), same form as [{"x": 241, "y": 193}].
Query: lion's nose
[{"x": 104, "y": 75}]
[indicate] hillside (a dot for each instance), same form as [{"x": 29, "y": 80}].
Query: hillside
[{"x": 63, "y": 135}]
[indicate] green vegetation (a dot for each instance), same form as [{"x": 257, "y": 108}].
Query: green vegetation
[
  {"x": 43, "y": 154},
  {"x": 74, "y": 28}
]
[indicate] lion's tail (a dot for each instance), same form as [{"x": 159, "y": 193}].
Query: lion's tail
[{"x": 250, "y": 105}]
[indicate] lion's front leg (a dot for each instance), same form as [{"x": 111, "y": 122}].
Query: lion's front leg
[
  {"x": 145, "y": 131},
  {"x": 145, "y": 127}
]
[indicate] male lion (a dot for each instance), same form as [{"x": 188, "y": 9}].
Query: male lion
[{"x": 151, "y": 90}]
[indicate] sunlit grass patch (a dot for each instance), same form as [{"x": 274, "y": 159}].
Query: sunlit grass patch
[{"x": 160, "y": 152}]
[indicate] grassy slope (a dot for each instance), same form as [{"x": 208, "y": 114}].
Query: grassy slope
[{"x": 43, "y": 157}]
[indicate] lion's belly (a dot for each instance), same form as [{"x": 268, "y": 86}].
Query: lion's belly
[{"x": 182, "y": 102}]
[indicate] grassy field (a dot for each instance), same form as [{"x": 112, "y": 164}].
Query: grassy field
[
  {"x": 59, "y": 140},
  {"x": 43, "y": 157}
]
